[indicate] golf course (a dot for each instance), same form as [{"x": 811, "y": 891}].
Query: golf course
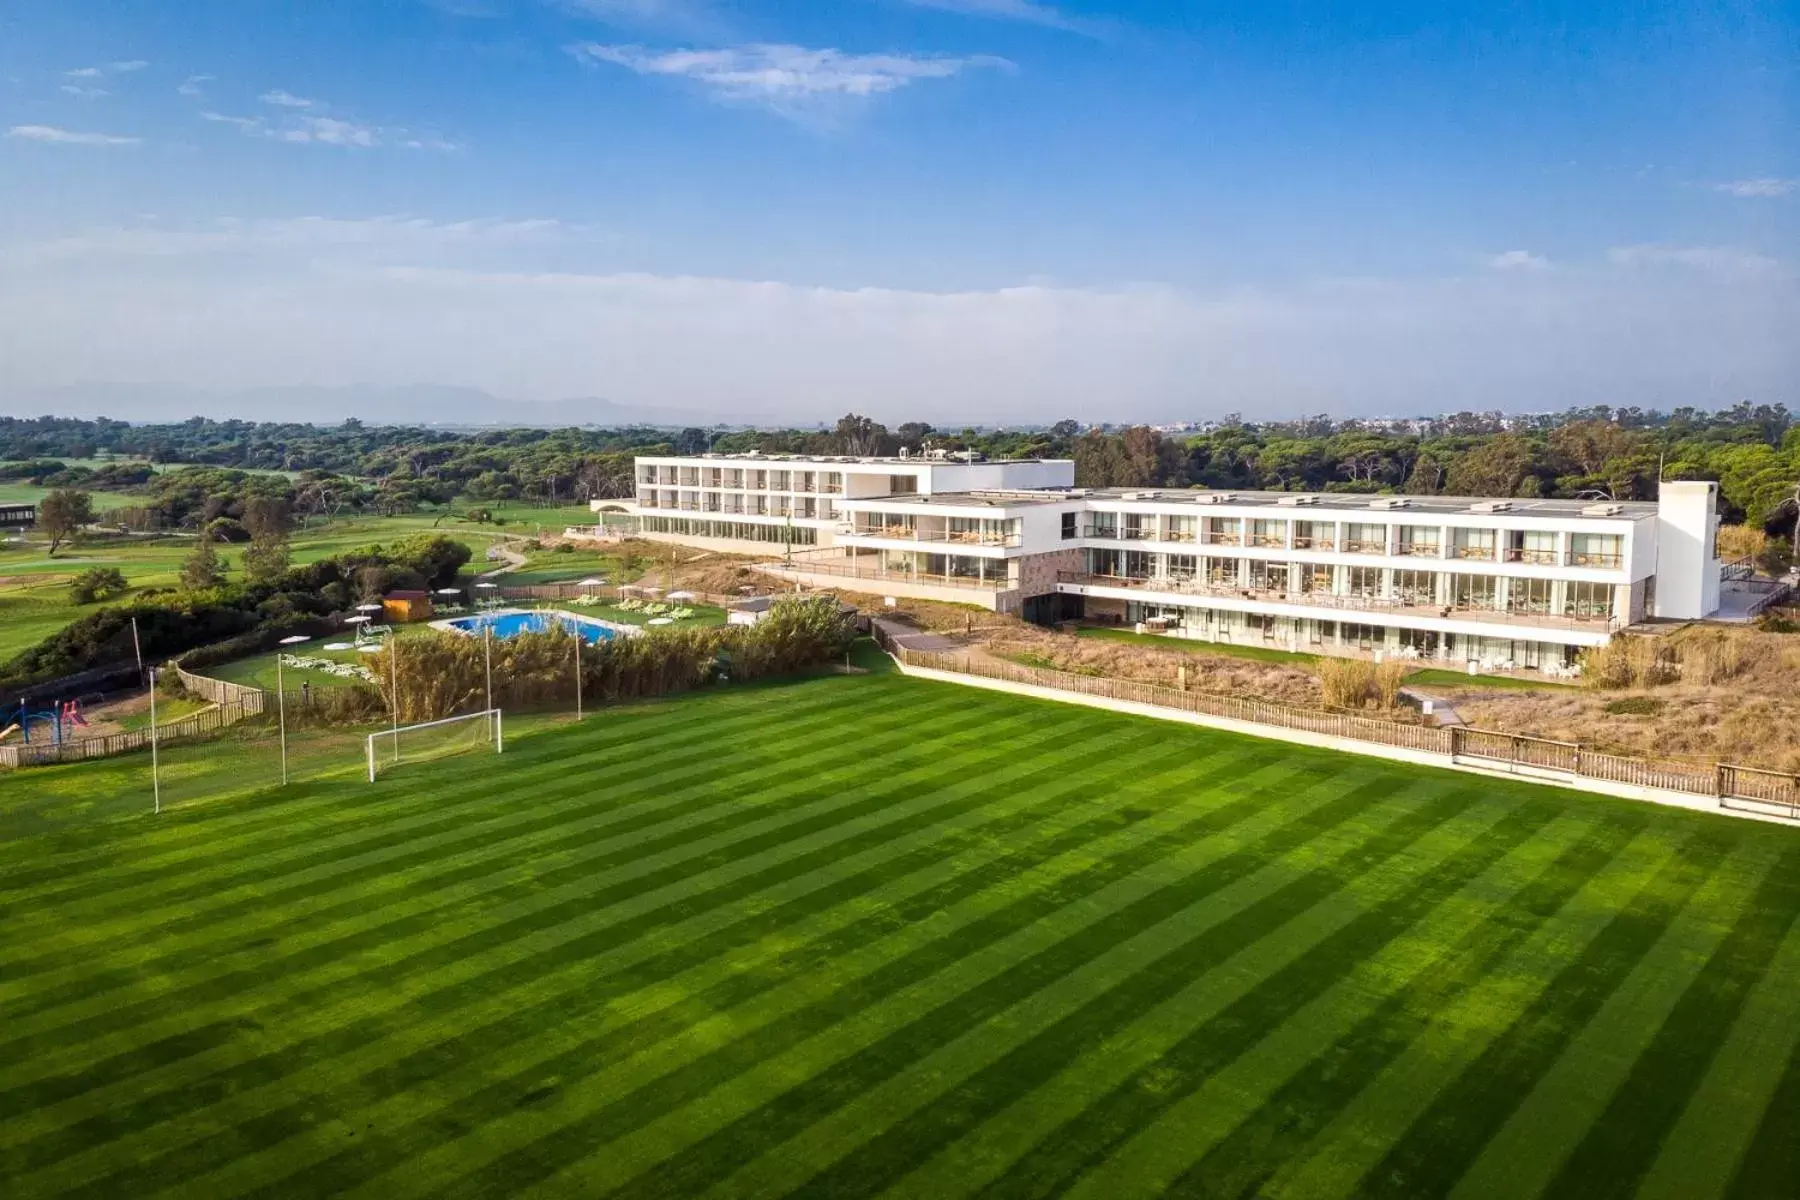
[{"x": 862, "y": 935}]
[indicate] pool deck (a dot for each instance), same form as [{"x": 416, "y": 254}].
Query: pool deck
[{"x": 451, "y": 624}]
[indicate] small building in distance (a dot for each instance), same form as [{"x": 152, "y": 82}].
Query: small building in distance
[
  {"x": 18, "y": 516},
  {"x": 403, "y": 606}
]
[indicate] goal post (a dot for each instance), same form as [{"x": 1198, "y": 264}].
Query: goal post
[{"x": 388, "y": 748}]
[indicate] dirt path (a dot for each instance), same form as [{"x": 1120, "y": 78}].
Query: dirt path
[{"x": 512, "y": 561}]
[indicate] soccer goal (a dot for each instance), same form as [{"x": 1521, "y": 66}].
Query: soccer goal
[{"x": 435, "y": 739}]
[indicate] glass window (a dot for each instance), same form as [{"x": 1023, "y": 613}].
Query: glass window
[
  {"x": 1314, "y": 535},
  {"x": 1528, "y": 596},
  {"x": 903, "y": 485},
  {"x": 1181, "y": 566},
  {"x": 1365, "y": 539},
  {"x": 1365, "y": 582},
  {"x": 1473, "y": 591},
  {"x": 1071, "y": 525},
  {"x": 1103, "y": 525},
  {"x": 1415, "y": 587},
  {"x": 1588, "y": 599},
  {"x": 1596, "y": 550},
  {"x": 1269, "y": 576}
]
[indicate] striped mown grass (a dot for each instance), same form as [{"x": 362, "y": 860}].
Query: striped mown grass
[{"x": 870, "y": 935}]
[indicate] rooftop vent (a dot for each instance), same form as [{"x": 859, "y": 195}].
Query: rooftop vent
[
  {"x": 1293, "y": 501},
  {"x": 1216, "y": 497},
  {"x": 1603, "y": 510},
  {"x": 1491, "y": 506},
  {"x": 1138, "y": 496},
  {"x": 1391, "y": 502}
]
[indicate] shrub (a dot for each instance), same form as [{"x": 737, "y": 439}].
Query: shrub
[
  {"x": 1634, "y": 706},
  {"x": 96, "y": 584},
  {"x": 1345, "y": 682},
  {"x": 1628, "y": 662}
]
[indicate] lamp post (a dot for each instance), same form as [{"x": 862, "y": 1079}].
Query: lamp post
[
  {"x": 281, "y": 699},
  {"x": 487, "y": 656},
  {"x": 155, "y": 777}
]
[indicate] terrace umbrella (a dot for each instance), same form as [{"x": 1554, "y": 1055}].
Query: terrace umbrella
[
  {"x": 368, "y": 608},
  {"x": 592, "y": 583},
  {"x": 660, "y": 621},
  {"x": 682, "y": 596}
]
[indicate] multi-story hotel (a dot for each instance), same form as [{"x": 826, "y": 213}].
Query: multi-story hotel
[{"x": 1494, "y": 582}]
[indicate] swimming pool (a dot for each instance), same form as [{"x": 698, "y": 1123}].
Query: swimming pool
[{"x": 512, "y": 622}]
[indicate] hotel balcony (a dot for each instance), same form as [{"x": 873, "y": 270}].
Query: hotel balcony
[
  {"x": 1418, "y": 550},
  {"x": 1547, "y": 558},
  {"x": 1346, "y": 607},
  {"x": 952, "y": 537},
  {"x": 1305, "y": 542}
]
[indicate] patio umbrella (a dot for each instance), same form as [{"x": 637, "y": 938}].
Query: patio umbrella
[
  {"x": 682, "y": 596},
  {"x": 592, "y": 583},
  {"x": 357, "y": 620},
  {"x": 368, "y": 608},
  {"x": 449, "y": 591},
  {"x": 660, "y": 621}
]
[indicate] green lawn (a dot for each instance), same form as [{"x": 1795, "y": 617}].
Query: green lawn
[{"x": 870, "y": 934}]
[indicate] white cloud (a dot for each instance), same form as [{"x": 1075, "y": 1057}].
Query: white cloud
[
  {"x": 1008, "y": 10},
  {"x": 282, "y": 99},
  {"x": 781, "y": 74},
  {"x": 85, "y": 93},
  {"x": 191, "y": 85},
  {"x": 1727, "y": 261},
  {"x": 1764, "y": 188},
  {"x": 1518, "y": 260},
  {"x": 112, "y": 68},
  {"x": 302, "y": 128},
  {"x": 68, "y": 137},
  {"x": 494, "y": 304}
]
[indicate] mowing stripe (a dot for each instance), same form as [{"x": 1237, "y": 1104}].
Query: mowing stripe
[
  {"x": 452, "y": 818},
  {"x": 1379, "y": 1114},
  {"x": 1228, "y": 1109},
  {"x": 398, "y": 1022},
  {"x": 986, "y": 1152},
  {"x": 1441, "y": 1144},
  {"x": 1772, "y": 1162},
  {"x": 188, "y": 856},
  {"x": 634, "y": 889},
  {"x": 658, "y": 997},
  {"x": 784, "y": 1093},
  {"x": 1617, "y": 1151},
  {"x": 1082, "y": 890},
  {"x": 993, "y": 1068},
  {"x": 1054, "y": 1162},
  {"x": 778, "y": 808},
  {"x": 1393, "y": 1006},
  {"x": 676, "y": 812},
  {"x": 1700, "y": 1153}
]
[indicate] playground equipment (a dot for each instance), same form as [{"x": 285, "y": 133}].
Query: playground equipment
[{"x": 66, "y": 712}]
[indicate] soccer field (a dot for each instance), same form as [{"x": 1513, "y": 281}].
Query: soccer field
[{"x": 866, "y": 934}]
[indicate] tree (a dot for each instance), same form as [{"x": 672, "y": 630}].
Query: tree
[
  {"x": 203, "y": 568},
  {"x": 267, "y": 556},
  {"x": 861, "y": 436},
  {"x": 1495, "y": 467},
  {"x": 692, "y": 441},
  {"x": 100, "y": 583},
  {"x": 62, "y": 513}
]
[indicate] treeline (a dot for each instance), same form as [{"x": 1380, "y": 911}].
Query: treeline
[{"x": 1610, "y": 453}]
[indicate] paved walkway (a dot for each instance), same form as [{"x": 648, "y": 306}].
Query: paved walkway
[{"x": 917, "y": 639}]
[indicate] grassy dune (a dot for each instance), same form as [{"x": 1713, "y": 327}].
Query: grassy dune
[{"x": 866, "y": 933}]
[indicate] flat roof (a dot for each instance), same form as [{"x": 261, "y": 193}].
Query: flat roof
[
  {"x": 850, "y": 460},
  {"x": 1336, "y": 503}
]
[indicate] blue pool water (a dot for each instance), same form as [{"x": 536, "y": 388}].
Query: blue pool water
[{"x": 510, "y": 624}]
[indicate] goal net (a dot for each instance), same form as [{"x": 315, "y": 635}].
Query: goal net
[{"x": 471, "y": 732}]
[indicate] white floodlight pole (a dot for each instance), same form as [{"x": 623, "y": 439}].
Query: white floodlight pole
[
  {"x": 281, "y": 698},
  {"x": 487, "y": 654},
  {"x": 578, "y": 675},
  {"x": 155, "y": 778},
  {"x": 393, "y": 648}
]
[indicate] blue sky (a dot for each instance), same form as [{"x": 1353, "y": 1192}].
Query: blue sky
[{"x": 951, "y": 209}]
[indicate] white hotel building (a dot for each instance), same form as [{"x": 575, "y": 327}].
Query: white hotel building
[{"x": 1522, "y": 582}]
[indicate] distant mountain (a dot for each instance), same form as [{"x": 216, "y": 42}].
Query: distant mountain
[{"x": 413, "y": 404}]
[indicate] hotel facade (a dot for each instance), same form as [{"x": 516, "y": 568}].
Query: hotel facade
[{"x": 1494, "y": 583}]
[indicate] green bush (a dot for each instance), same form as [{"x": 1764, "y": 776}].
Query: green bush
[
  {"x": 96, "y": 584},
  {"x": 1634, "y": 706}
]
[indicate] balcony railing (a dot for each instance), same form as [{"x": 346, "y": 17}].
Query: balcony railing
[
  {"x": 1364, "y": 546},
  {"x": 1140, "y": 533},
  {"x": 1484, "y": 553},
  {"x": 1518, "y": 554},
  {"x": 958, "y": 537},
  {"x": 1307, "y": 542},
  {"x": 1595, "y": 560},
  {"x": 1222, "y": 539},
  {"x": 1189, "y": 586},
  {"x": 841, "y": 569},
  {"x": 1417, "y": 549},
  {"x": 1179, "y": 535},
  {"x": 1268, "y": 541},
  {"x": 1103, "y": 532}
]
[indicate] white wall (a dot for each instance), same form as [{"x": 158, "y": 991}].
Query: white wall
[{"x": 1687, "y": 563}]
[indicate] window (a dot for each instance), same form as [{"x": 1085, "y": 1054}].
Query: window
[
  {"x": 1138, "y": 527},
  {"x": 1224, "y": 531},
  {"x": 1316, "y": 577},
  {"x": 903, "y": 485},
  {"x": 1181, "y": 567},
  {"x": 1472, "y": 543},
  {"x": 1473, "y": 591},
  {"x": 1071, "y": 525},
  {"x": 1222, "y": 572},
  {"x": 1417, "y": 588},
  {"x": 1179, "y": 529},
  {"x": 1268, "y": 533},
  {"x": 1365, "y": 637},
  {"x": 1314, "y": 535},
  {"x": 1104, "y": 525},
  {"x": 1528, "y": 596},
  {"x": 1587, "y": 599},
  {"x": 1139, "y": 564},
  {"x": 1418, "y": 540},
  {"x": 1365, "y": 539},
  {"x": 1103, "y": 562},
  {"x": 1596, "y": 550},
  {"x": 1269, "y": 576},
  {"x": 1365, "y": 582},
  {"x": 1531, "y": 546}
]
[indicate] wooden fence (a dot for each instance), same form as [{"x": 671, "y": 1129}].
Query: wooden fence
[
  {"x": 1769, "y": 793},
  {"x": 200, "y": 724},
  {"x": 218, "y": 691}
]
